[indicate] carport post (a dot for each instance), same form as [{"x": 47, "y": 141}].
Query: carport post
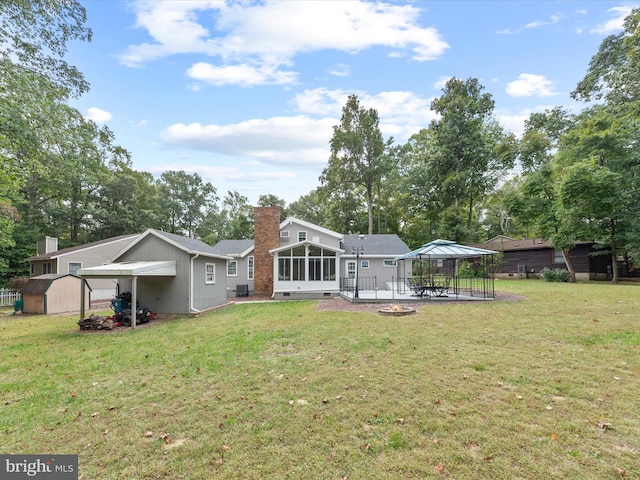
[
  {"x": 81, "y": 298},
  {"x": 134, "y": 301}
]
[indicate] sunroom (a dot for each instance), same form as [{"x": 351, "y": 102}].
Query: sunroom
[{"x": 306, "y": 270}]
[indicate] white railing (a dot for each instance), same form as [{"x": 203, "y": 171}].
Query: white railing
[{"x": 8, "y": 297}]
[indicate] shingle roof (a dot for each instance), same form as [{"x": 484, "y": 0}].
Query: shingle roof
[
  {"x": 77, "y": 248},
  {"x": 388, "y": 244},
  {"x": 40, "y": 284},
  {"x": 190, "y": 244},
  {"x": 234, "y": 247}
]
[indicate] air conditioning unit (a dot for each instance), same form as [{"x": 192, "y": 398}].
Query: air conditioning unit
[{"x": 242, "y": 290}]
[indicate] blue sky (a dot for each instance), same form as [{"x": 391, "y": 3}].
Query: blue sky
[{"x": 246, "y": 93}]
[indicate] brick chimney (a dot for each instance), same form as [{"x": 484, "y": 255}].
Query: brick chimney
[{"x": 266, "y": 236}]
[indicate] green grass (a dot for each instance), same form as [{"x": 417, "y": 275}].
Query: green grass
[{"x": 546, "y": 387}]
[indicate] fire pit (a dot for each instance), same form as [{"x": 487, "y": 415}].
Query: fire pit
[{"x": 396, "y": 310}]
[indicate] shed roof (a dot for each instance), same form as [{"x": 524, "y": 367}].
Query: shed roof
[
  {"x": 40, "y": 284},
  {"x": 165, "y": 268}
]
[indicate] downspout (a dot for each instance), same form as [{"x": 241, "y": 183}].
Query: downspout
[{"x": 191, "y": 307}]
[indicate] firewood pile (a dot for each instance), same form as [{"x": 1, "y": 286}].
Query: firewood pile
[{"x": 96, "y": 322}]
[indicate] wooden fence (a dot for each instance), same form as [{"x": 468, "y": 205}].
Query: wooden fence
[{"x": 8, "y": 297}]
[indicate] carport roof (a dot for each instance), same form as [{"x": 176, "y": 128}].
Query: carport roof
[{"x": 164, "y": 268}]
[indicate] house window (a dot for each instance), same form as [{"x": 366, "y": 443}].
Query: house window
[
  {"x": 284, "y": 234},
  {"x": 302, "y": 236},
  {"x": 389, "y": 263},
  {"x": 232, "y": 268},
  {"x": 33, "y": 269},
  {"x": 210, "y": 273},
  {"x": 558, "y": 257},
  {"x": 364, "y": 264},
  {"x": 250, "y": 268},
  {"x": 74, "y": 267},
  {"x": 46, "y": 268}
]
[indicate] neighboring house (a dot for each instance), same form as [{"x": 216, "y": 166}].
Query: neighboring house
[
  {"x": 50, "y": 260},
  {"x": 240, "y": 269},
  {"x": 527, "y": 257},
  {"x": 297, "y": 259},
  {"x": 54, "y": 293},
  {"x": 170, "y": 274}
]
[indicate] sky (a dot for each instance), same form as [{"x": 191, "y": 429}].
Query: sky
[{"x": 246, "y": 93}]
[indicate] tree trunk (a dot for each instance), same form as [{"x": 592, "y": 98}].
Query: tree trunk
[
  {"x": 370, "y": 208},
  {"x": 567, "y": 261},
  {"x": 614, "y": 267}
]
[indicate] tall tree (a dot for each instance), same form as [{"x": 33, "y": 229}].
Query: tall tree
[
  {"x": 185, "y": 198},
  {"x": 463, "y": 156},
  {"x": 357, "y": 153}
]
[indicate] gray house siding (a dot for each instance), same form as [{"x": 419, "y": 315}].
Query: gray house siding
[
  {"x": 89, "y": 255},
  {"x": 207, "y": 295},
  {"x": 376, "y": 270},
  {"x": 314, "y": 236},
  {"x": 241, "y": 277},
  {"x": 161, "y": 294}
]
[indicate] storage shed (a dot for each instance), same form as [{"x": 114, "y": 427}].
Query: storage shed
[{"x": 54, "y": 293}]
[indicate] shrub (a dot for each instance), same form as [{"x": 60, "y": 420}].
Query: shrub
[{"x": 555, "y": 275}]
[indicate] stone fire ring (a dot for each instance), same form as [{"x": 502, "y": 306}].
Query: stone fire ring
[{"x": 396, "y": 311}]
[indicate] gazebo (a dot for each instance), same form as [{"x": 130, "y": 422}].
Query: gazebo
[{"x": 437, "y": 270}]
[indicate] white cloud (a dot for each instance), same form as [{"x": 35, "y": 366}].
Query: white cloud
[
  {"x": 616, "y": 24},
  {"x": 217, "y": 174},
  {"x": 530, "y": 85},
  {"x": 298, "y": 140},
  {"x": 254, "y": 41},
  {"x": 541, "y": 23},
  {"x": 243, "y": 75},
  {"x": 442, "y": 82},
  {"x": 402, "y": 113},
  {"x": 340, "y": 70},
  {"x": 98, "y": 115}
]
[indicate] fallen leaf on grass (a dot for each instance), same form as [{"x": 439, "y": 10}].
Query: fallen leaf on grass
[
  {"x": 94, "y": 414},
  {"x": 604, "y": 425},
  {"x": 621, "y": 471},
  {"x": 165, "y": 438},
  {"x": 440, "y": 468},
  {"x": 519, "y": 397},
  {"x": 148, "y": 434},
  {"x": 554, "y": 437},
  {"x": 436, "y": 441}
]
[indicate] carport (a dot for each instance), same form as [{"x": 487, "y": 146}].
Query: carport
[{"x": 129, "y": 270}]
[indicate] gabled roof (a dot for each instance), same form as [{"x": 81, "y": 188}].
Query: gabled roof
[
  {"x": 188, "y": 245},
  {"x": 79, "y": 248},
  {"x": 40, "y": 284},
  {"x": 235, "y": 248},
  {"x": 302, "y": 223},
  {"x": 305, "y": 242},
  {"x": 382, "y": 244}
]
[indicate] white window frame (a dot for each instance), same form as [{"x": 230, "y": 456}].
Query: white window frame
[
  {"x": 364, "y": 264},
  {"x": 209, "y": 274},
  {"x": 389, "y": 263},
  {"x": 302, "y": 235},
  {"x": 284, "y": 234},
  {"x": 250, "y": 267},
  {"x": 229, "y": 263}
]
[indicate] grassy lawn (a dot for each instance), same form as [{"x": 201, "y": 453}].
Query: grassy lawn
[{"x": 546, "y": 387}]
